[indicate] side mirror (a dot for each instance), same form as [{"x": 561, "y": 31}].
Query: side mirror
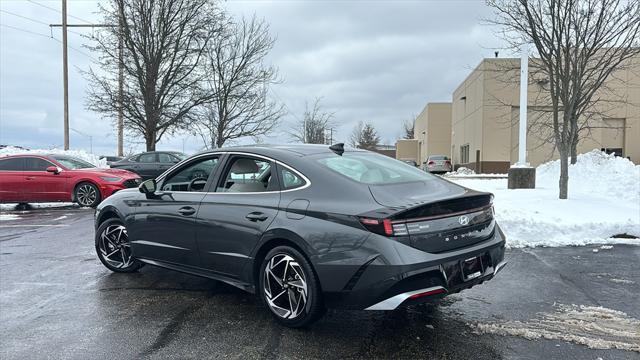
[
  {"x": 148, "y": 187},
  {"x": 53, "y": 169}
]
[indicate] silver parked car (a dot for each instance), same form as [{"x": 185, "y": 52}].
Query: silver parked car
[{"x": 438, "y": 164}]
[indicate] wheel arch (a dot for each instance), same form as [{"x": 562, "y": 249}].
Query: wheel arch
[
  {"x": 109, "y": 212},
  {"x": 270, "y": 240}
]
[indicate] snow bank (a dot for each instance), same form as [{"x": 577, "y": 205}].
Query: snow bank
[
  {"x": 466, "y": 172},
  {"x": 81, "y": 154},
  {"x": 604, "y": 200}
]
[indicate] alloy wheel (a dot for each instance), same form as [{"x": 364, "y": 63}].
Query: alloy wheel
[
  {"x": 86, "y": 195},
  {"x": 285, "y": 286},
  {"x": 114, "y": 246}
]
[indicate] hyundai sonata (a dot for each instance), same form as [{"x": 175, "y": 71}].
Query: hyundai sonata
[{"x": 306, "y": 227}]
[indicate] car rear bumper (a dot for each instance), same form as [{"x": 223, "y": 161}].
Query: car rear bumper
[
  {"x": 384, "y": 284},
  {"x": 439, "y": 168}
]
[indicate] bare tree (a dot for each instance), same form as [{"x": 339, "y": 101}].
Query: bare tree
[
  {"x": 163, "y": 44},
  {"x": 314, "y": 125},
  {"x": 364, "y": 136},
  {"x": 579, "y": 45},
  {"x": 238, "y": 81},
  {"x": 407, "y": 127}
]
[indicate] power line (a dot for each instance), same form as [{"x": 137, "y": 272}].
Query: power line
[
  {"x": 49, "y": 37},
  {"x": 58, "y": 11},
  {"x": 34, "y": 20},
  {"x": 26, "y": 31},
  {"x": 24, "y": 17},
  {"x": 77, "y": 50}
]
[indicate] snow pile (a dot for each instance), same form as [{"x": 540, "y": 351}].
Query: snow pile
[
  {"x": 604, "y": 200},
  {"x": 593, "y": 326},
  {"x": 615, "y": 177},
  {"x": 462, "y": 171},
  {"x": 80, "y": 154}
]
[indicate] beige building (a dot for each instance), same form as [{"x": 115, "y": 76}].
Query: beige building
[
  {"x": 408, "y": 149},
  {"x": 485, "y": 118},
  {"x": 432, "y": 129}
]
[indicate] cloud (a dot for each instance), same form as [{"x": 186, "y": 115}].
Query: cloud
[{"x": 377, "y": 61}]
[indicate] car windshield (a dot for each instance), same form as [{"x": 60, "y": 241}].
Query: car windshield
[
  {"x": 73, "y": 163},
  {"x": 373, "y": 169},
  {"x": 180, "y": 156}
]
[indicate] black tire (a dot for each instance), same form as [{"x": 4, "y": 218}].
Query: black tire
[
  {"x": 87, "y": 194},
  {"x": 110, "y": 238},
  {"x": 313, "y": 307}
]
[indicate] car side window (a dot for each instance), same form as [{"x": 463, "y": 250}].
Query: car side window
[
  {"x": 191, "y": 178},
  {"x": 14, "y": 164},
  {"x": 167, "y": 158},
  {"x": 246, "y": 175},
  {"x": 147, "y": 158},
  {"x": 36, "y": 164},
  {"x": 290, "y": 180}
]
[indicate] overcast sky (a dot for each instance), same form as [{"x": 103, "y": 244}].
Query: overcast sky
[{"x": 376, "y": 61}]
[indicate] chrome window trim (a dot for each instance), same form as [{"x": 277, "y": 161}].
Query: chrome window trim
[{"x": 306, "y": 179}]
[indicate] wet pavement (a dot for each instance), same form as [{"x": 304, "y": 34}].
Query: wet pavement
[{"x": 58, "y": 301}]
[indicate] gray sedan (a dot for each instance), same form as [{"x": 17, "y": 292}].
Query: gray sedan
[{"x": 438, "y": 164}]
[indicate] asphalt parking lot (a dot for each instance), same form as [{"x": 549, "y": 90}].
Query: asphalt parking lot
[{"x": 58, "y": 301}]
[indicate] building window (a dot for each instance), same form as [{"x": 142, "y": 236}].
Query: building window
[{"x": 464, "y": 154}]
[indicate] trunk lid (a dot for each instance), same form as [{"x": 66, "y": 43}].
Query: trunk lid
[{"x": 437, "y": 215}]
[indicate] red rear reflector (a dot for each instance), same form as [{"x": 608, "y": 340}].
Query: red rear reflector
[
  {"x": 388, "y": 229},
  {"x": 370, "y": 221},
  {"x": 431, "y": 163},
  {"x": 428, "y": 293}
]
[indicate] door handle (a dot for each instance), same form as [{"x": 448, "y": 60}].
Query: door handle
[
  {"x": 30, "y": 178},
  {"x": 187, "y": 211},
  {"x": 256, "y": 216}
]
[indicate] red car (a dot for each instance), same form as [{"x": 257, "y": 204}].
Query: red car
[{"x": 50, "y": 178}]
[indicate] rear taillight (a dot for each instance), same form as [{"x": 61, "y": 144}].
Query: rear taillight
[
  {"x": 430, "y": 163},
  {"x": 382, "y": 227},
  {"x": 388, "y": 229},
  {"x": 448, "y": 162}
]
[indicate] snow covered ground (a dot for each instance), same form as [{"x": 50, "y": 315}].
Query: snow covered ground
[
  {"x": 604, "y": 200},
  {"x": 81, "y": 154}
]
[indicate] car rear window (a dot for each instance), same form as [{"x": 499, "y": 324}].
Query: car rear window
[
  {"x": 373, "y": 169},
  {"x": 438, "y": 157}
]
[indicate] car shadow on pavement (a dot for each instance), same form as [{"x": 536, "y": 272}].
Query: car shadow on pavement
[{"x": 163, "y": 313}]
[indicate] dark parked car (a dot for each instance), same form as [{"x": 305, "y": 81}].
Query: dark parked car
[
  {"x": 150, "y": 164},
  {"x": 50, "y": 178},
  {"x": 111, "y": 159},
  {"x": 410, "y": 162},
  {"x": 307, "y": 227}
]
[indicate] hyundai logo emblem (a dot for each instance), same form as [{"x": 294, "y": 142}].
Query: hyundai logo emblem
[{"x": 463, "y": 220}]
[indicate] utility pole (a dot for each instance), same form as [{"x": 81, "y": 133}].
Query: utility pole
[
  {"x": 120, "y": 82},
  {"x": 65, "y": 74}
]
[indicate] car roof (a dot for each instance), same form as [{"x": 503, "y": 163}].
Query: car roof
[
  {"x": 45, "y": 156},
  {"x": 298, "y": 150}
]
